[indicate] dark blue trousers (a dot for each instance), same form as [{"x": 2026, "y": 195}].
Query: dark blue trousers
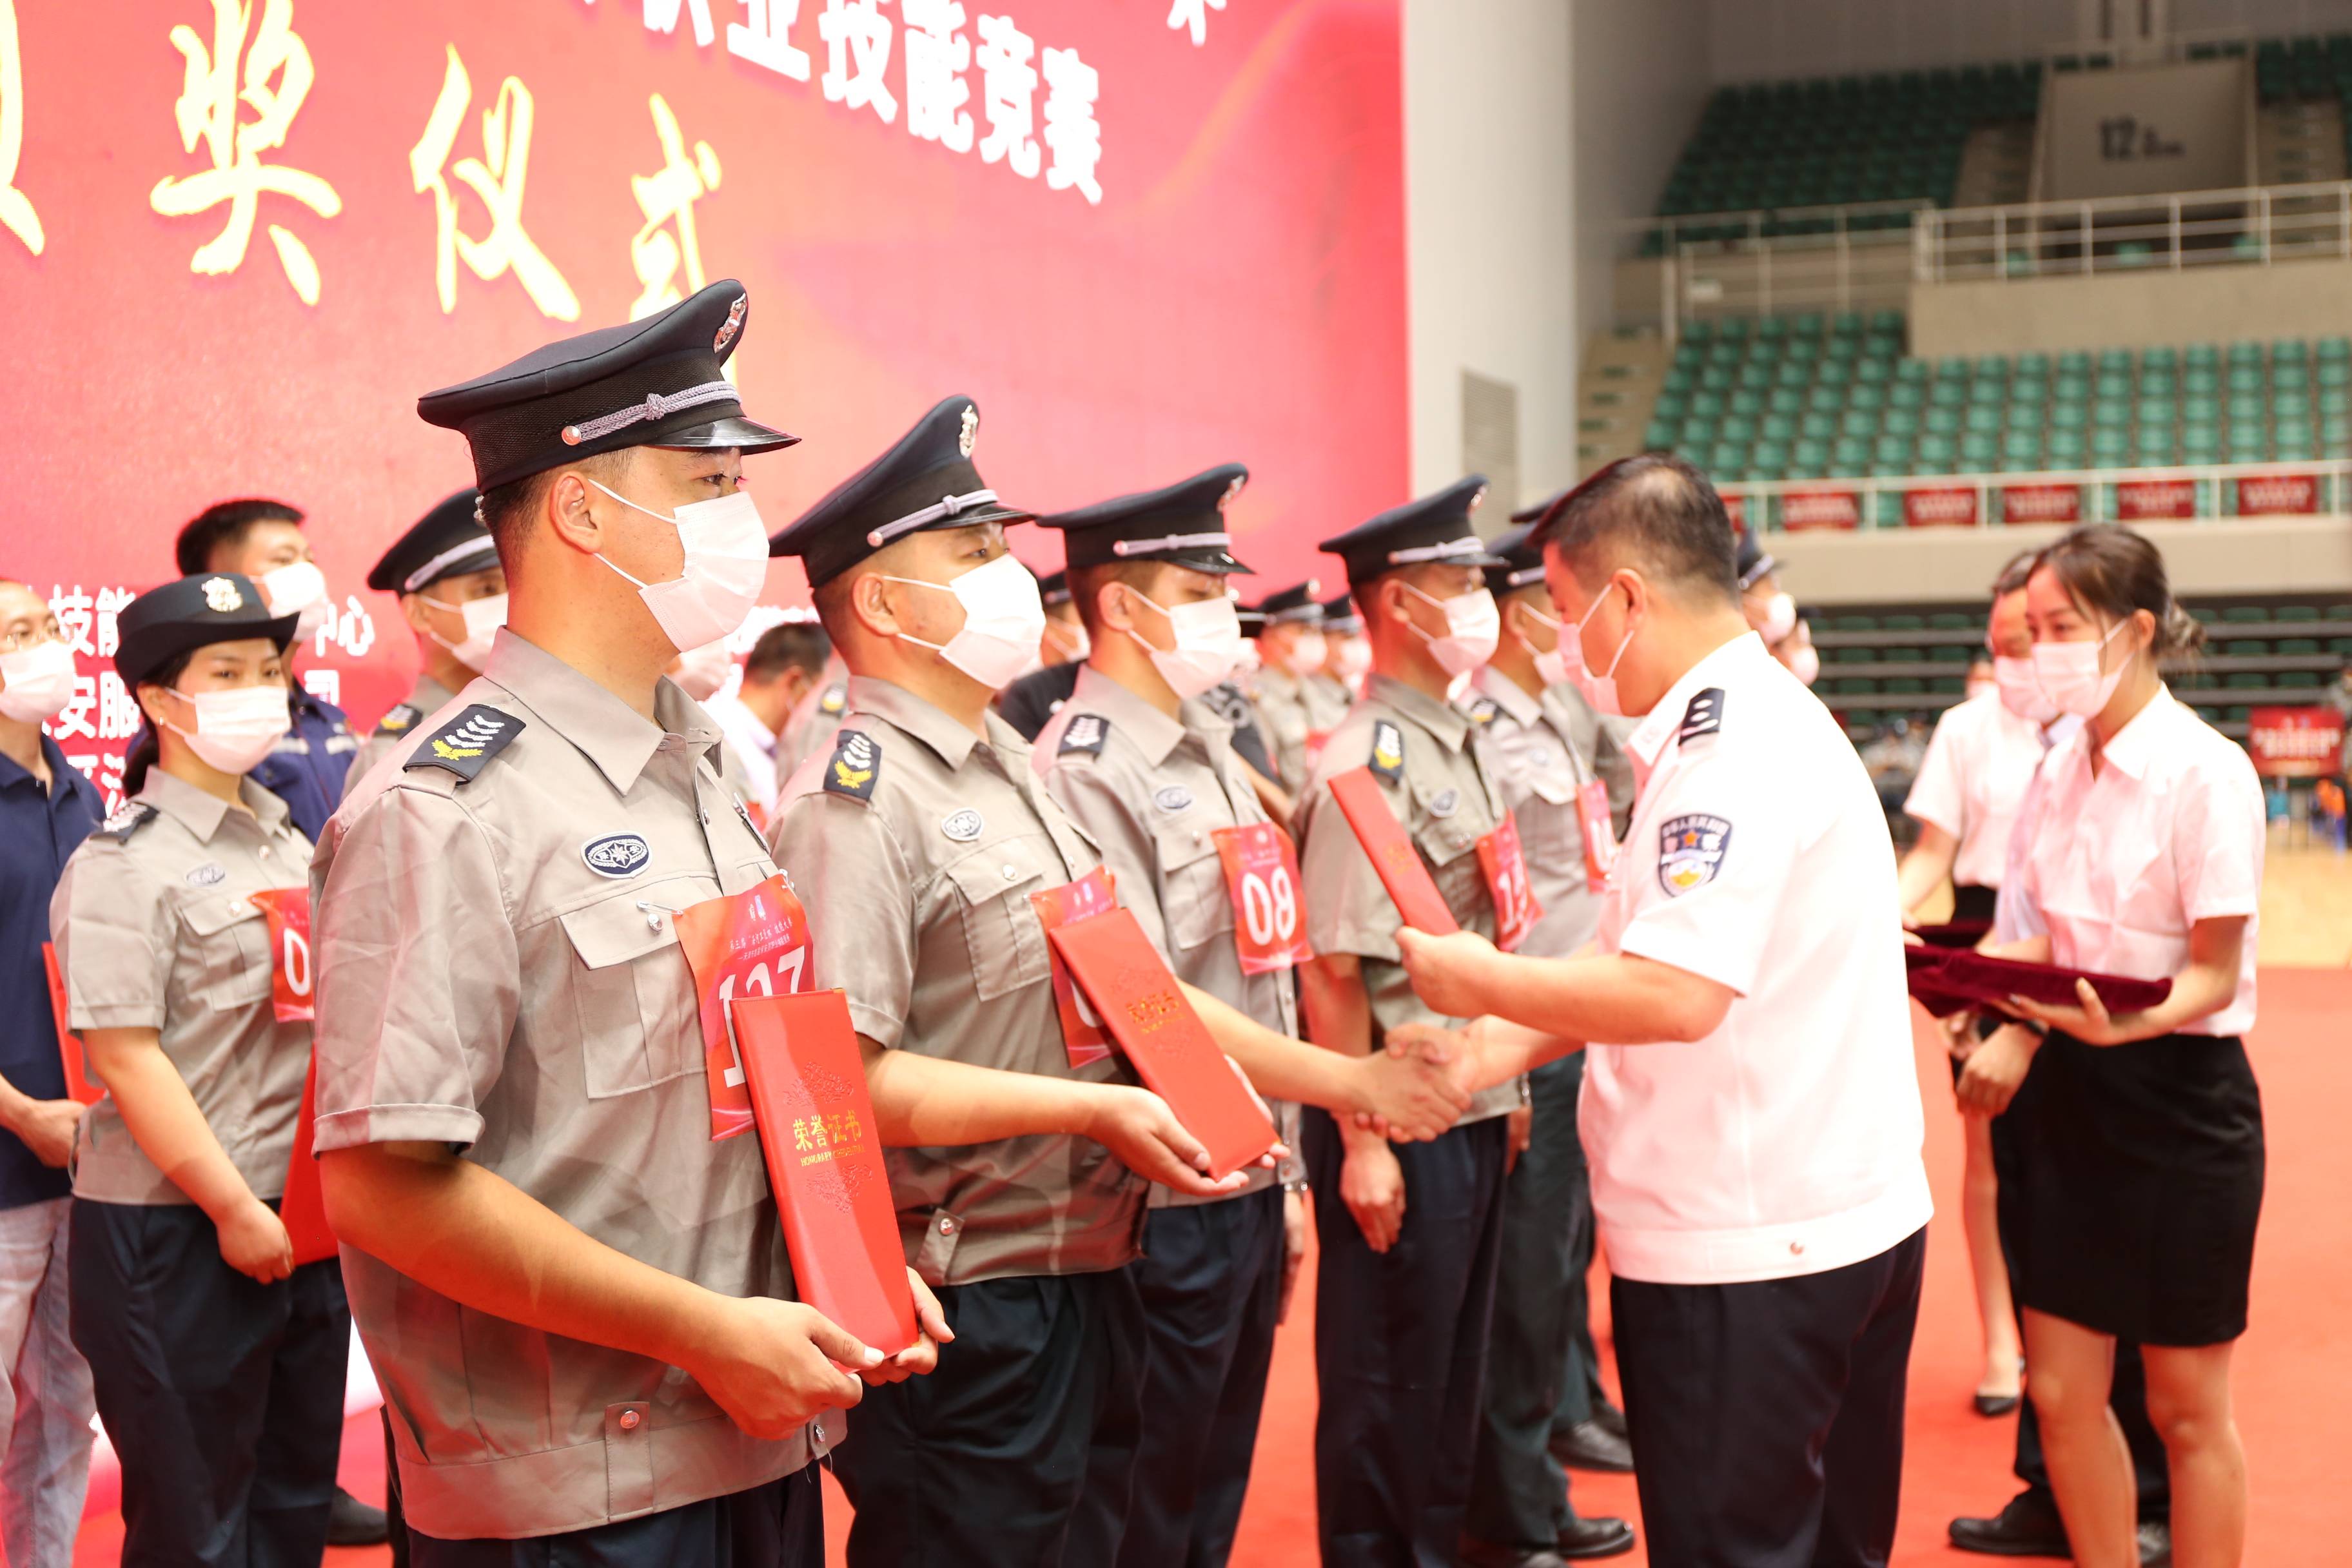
[
  {"x": 780, "y": 1525},
  {"x": 1401, "y": 1348},
  {"x": 224, "y": 1397}
]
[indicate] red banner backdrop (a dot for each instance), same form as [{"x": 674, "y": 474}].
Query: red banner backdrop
[
  {"x": 238, "y": 238},
  {"x": 1943, "y": 506},
  {"x": 2143, "y": 500},
  {"x": 2294, "y": 742},
  {"x": 2042, "y": 503},
  {"x": 1802, "y": 510},
  {"x": 2274, "y": 495}
]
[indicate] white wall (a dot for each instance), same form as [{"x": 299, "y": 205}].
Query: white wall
[{"x": 1640, "y": 89}]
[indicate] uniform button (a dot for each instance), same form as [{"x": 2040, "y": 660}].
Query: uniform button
[
  {"x": 946, "y": 1225},
  {"x": 706, "y": 819},
  {"x": 265, "y": 852},
  {"x": 1796, "y": 1249},
  {"x": 629, "y": 1420},
  {"x": 1011, "y": 874}
]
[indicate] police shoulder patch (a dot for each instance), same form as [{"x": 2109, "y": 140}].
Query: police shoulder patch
[
  {"x": 466, "y": 744},
  {"x": 1388, "y": 751},
  {"x": 854, "y": 766},
  {"x": 128, "y": 818},
  {"x": 1085, "y": 733},
  {"x": 1482, "y": 711},
  {"x": 1690, "y": 852},
  {"x": 1705, "y": 714},
  {"x": 397, "y": 721}
]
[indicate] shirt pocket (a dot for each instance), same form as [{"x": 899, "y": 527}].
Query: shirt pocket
[
  {"x": 1193, "y": 902},
  {"x": 1001, "y": 932},
  {"x": 228, "y": 938},
  {"x": 634, "y": 1011}
]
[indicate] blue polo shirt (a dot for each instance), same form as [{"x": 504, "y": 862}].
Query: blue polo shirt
[
  {"x": 307, "y": 768},
  {"x": 39, "y": 831}
]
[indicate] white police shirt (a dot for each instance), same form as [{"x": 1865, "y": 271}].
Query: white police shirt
[
  {"x": 1786, "y": 1143},
  {"x": 1978, "y": 763},
  {"x": 2168, "y": 832}
]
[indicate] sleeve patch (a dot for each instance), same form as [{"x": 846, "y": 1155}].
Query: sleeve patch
[
  {"x": 128, "y": 818},
  {"x": 1388, "y": 751},
  {"x": 1703, "y": 716},
  {"x": 1691, "y": 851},
  {"x": 1085, "y": 733},
  {"x": 854, "y": 766},
  {"x": 466, "y": 744},
  {"x": 397, "y": 721}
]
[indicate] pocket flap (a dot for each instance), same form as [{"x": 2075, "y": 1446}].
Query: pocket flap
[
  {"x": 988, "y": 874},
  {"x": 616, "y": 930},
  {"x": 1181, "y": 846},
  {"x": 217, "y": 912}
]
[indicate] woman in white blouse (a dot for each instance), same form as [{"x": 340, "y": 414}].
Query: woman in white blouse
[{"x": 2144, "y": 1166}]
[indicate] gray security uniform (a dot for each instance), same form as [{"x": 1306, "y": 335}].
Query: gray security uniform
[{"x": 425, "y": 699}]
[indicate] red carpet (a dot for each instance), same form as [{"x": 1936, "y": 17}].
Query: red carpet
[{"x": 2292, "y": 1368}]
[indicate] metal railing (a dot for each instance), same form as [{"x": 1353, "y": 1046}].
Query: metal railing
[
  {"x": 2251, "y": 225},
  {"x": 1759, "y": 226},
  {"x": 2214, "y": 492}
]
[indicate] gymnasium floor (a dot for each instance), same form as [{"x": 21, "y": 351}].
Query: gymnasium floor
[{"x": 2293, "y": 1366}]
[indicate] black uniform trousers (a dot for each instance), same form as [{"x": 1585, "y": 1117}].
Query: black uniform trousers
[
  {"x": 1018, "y": 1452},
  {"x": 1766, "y": 1417},
  {"x": 1518, "y": 1493},
  {"x": 1401, "y": 1348},
  {"x": 223, "y": 1395},
  {"x": 2127, "y": 1392},
  {"x": 778, "y": 1525},
  {"x": 1211, "y": 1279}
]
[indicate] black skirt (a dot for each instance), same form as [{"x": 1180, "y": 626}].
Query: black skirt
[{"x": 2144, "y": 1175}]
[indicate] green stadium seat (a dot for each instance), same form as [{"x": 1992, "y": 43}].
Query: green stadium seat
[
  {"x": 2246, "y": 648},
  {"x": 2296, "y": 614},
  {"x": 2245, "y": 616}
]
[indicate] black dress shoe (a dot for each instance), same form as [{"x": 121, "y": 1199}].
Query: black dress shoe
[
  {"x": 2026, "y": 1526},
  {"x": 1996, "y": 1404},
  {"x": 1590, "y": 1445},
  {"x": 1476, "y": 1553},
  {"x": 1600, "y": 1537},
  {"x": 2155, "y": 1544},
  {"x": 1609, "y": 1418},
  {"x": 351, "y": 1522}
]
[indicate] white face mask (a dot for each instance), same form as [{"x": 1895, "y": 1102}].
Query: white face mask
[
  {"x": 1208, "y": 645},
  {"x": 236, "y": 728},
  {"x": 1354, "y": 659},
  {"x": 1551, "y": 664},
  {"x": 301, "y": 589},
  {"x": 1071, "y": 641},
  {"x": 725, "y": 568},
  {"x": 483, "y": 618},
  {"x": 2069, "y": 672},
  {"x": 1805, "y": 664},
  {"x": 1004, "y": 617},
  {"x": 1308, "y": 652},
  {"x": 1473, "y": 627},
  {"x": 2020, "y": 691},
  {"x": 1599, "y": 691},
  {"x": 701, "y": 671},
  {"x": 1780, "y": 618},
  {"x": 37, "y": 683},
  {"x": 1251, "y": 661}
]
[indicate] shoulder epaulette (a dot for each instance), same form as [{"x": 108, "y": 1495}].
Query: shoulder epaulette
[
  {"x": 1482, "y": 710},
  {"x": 397, "y": 721},
  {"x": 128, "y": 818},
  {"x": 1703, "y": 716},
  {"x": 1085, "y": 733},
  {"x": 466, "y": 744},
  {"x": 856, "y": 766},
  {"x": 835, "y": 699},
  {"x": 1388, "y": 751}
]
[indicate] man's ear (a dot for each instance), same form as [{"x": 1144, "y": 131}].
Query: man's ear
[
  {"x": 413, "y": 609},
  {"x": 869, "y": 602},
  {"x": 1115, "y": 604},
  {"x": 564, "y": 509}
]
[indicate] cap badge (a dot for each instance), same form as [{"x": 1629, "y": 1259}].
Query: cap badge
[
  {"x": 221, "y": 595},
  {"x": 731, "y": 325},
  {"x": 1475, "y": 498},
  {"x": 968, "y": 436},
  {"x": 1232, "y": 490}
]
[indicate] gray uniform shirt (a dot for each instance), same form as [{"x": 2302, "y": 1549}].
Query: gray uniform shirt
[
  {"x": 915, "y": 845},
  {"x": 155, "y": 928},
  {"x": 498, "y": 971},
  {"x": 1442, "y": 792},
  {"x": 1543, "y": 751},
  {"x": 1153, "y": 791}
]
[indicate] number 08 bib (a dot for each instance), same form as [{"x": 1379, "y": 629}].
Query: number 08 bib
[{"x": 1262, "y": 879}]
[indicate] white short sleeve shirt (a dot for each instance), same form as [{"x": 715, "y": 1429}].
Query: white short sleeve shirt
[
  {"x": 2168, "y": 832},
  {"x": 1978, "y": 766},
  {"x": 1786, "y": 1143}
]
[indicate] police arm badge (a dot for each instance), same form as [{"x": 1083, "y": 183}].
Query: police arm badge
[{"x": 1690, "y": 852}]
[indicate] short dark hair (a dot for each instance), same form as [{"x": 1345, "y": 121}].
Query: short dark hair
[
  {"x": 2115, "y": 572},
  {"x": 506, "y": 510},
  {"x": 1657, "y": 508},
  {"x": 1086, "y": 583},
  {"x": 2016, "y": 573},
  {"x": 224, "y": 525},
  {"x": 794, "y": 644}
]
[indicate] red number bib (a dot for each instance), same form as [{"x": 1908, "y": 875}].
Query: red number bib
[
  {"x": 289, "y": 909},
  {"x": 1262, "y": 879},
  {"x": 1515, "y": 909},
  {"x": 753, "y": 943},
  {"x": 1600, "y": 834},
  {"x": 1092, "y": 894}
]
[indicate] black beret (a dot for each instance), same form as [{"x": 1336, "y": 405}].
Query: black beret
[
  {"x": 1296, "y": 602},
  {"x": 1435, "y": 528},
  {"x": 1183, "y": 524},
  {"x": 1340, "y": 615},
  {"x": 926, "y": 481},
  {"x": 1521, "y": 564},
  {"x": 164, "y": 623},
  {"x": 1055, "y": 588},
  {"x": 660, "y": 382},
  {"x": 444, "y": 542}
]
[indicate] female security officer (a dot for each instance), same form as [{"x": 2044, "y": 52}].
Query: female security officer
[{"x": 218, "y": 1363}]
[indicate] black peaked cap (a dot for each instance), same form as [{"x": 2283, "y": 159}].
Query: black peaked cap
[
  {"x": 1521, "y": 558},
  {"x": 660, "y": 382},
  {"x": 1339, "y": 614},
  {"x": 1436, "y": 527},
  {"x": 164, "y": 623},
  {"x": 1183, "y": 523},
  {"x": 1296, "y": 602},
  {"x": 1053, "y": 588},
  {"x": 445, "y": 541},
  {"x": 926, "y": 481}
]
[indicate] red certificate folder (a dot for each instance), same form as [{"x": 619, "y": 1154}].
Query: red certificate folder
[
  {"x": 824, "y": 1162},
  {"x": 1965, "y": 978},
  {"x": 1955, "y": 934},
  {"x": 78, "y": 1084},
  {"x": 304, "y": 1207},
  {"x": 1409, "y": 884},
  {"x": 1135, "y": 995}
]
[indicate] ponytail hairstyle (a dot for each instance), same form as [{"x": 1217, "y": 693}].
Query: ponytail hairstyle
[
  {"x": 146, "y": 748},
  {"x": 2112, "y": 571}
]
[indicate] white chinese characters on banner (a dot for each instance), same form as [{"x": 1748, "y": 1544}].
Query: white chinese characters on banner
[
  {"x": 1009, "y": 91},
  {"x": 1071, "y": 131},
  {"x": 661, "y": 17},
  {"x": 1194, "y": 15},
  {"x": 766, "y": 39},
  {"x": 351, "y": 629},
  {"x": 937, "y": 54},
  {"x": 857, "y": 52},
  {"x": 95, "y": 727},
  {"x": 16, "y": 213}
]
